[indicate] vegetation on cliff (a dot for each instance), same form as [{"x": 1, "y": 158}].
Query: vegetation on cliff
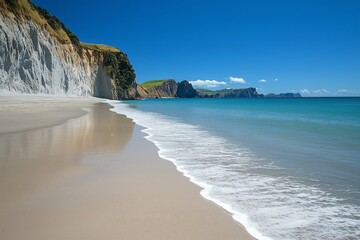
[
  {"x": 119, "y": 68},
  {"x": 153, "y": 83},
  {"x": 160, "y": 88},
  {"x": 99, "y": 47},
  {"x": 167, "y": 88}
]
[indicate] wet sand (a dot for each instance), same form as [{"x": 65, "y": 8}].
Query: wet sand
[{"x": 72, "y": 169}]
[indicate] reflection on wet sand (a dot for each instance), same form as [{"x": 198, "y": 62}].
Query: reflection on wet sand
[{"x": 34, "y": 160}]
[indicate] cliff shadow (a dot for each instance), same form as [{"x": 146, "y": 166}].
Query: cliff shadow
[{"x": 103, "y": 87}]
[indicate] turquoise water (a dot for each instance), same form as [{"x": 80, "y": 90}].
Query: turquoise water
[{"x": 285, "y": 168}]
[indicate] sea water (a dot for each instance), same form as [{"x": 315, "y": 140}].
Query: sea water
[{"x": 284, "y": 168}]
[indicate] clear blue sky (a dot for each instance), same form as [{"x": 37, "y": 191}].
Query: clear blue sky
[{"x": 308, "y": 46}]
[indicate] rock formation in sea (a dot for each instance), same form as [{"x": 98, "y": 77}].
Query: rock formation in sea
[{"x": 38, "y": 54}]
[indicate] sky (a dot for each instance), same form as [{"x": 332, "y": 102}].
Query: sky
[{"x": 306, "y": 46}]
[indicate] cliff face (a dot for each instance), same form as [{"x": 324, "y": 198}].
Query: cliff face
[
  {"x": 185, "y": 90},
  {"x": 167, "y": 88},
  {"x": 39, "y": 55}
]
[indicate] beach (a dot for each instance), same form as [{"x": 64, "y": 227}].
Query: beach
[{"x": 72, "y": 169}]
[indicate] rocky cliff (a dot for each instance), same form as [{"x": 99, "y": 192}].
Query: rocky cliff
[
  {"x": 186, "y": 90},
  {"x": 38, "y": 54},
  {"x": 160, "y": 88},
  {"x": 167, "y": 88}
]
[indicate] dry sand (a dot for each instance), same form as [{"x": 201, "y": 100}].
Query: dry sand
[{"x": 67, "y": 173}]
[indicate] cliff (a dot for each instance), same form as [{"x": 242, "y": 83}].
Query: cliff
[
  {"x": 160, "y": 88},
  {"x": 229, "y": 93},
  {"x": 167, "y": 88},
  {"x": 38, "y": 54},
  {"x": 186, "y": 90}
]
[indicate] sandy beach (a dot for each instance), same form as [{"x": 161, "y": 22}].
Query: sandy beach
[{"x": 72, "y": 169}]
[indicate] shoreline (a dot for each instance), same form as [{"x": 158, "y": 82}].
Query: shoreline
[
  {"x": 95, "y": 175},
  {"x": 238, "y": 217}
]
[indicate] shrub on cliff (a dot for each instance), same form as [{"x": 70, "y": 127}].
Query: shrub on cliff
[
  {"x": 12, "y": 5},
  {"x": 119, "y": 68}
]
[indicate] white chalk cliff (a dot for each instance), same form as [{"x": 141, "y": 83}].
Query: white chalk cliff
[{"x": 33, "y": 60}]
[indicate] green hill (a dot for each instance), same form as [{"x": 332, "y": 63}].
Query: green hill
[{"x": 153, "y": 83}]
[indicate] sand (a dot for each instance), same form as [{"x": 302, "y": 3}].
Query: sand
[{"x": 72, "y": 169}]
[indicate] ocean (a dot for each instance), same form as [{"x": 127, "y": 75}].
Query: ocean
[{"x": 284, "y": 168}]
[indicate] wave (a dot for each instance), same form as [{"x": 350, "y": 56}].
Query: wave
[{"x": 269, "y": 203}]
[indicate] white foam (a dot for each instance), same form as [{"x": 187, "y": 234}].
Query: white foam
[{"x": 278, "y": 205}]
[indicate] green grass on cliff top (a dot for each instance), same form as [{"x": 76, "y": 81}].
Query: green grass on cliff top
[
  {"x": 99, "y": 47},
  {"x": 153, "y": 83}
]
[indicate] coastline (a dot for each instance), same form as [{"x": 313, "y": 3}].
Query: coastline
[{"x": 86, "y": 172}]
